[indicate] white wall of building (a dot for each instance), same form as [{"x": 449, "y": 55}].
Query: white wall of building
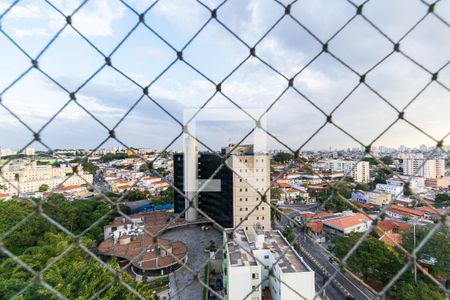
[{"x": 302, "y": 283}]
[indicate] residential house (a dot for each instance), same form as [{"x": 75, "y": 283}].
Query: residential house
[
  {"x": 346, "y": 224},
  {"x": 400, "y": 212}
]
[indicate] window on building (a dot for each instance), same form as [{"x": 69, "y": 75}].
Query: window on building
[
  {"x": 246, "y": 199},
  {"x": 257, "y": 218},
  {"x": 240, "y": 209},
  {"x": 263, "y": 218},
  {"x": 266, "y": 256},
  {"x": 246, "y": 208},
  {"x": 255, "y": 275},
  {"x": 240, "y": 179}
]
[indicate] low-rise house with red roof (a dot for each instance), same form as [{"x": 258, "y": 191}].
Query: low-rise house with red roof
[
  {"x": 346, "y": 224},
  {"x": 306, "y": 216},
  {"x": 400, "y": 212},
  {"x": 315, "y": 230},
  {"x": 432, "y": 213},
  {"x": 390, "y": 232}
]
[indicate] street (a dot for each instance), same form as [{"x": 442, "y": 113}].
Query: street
[{"x": 342, "y": 286}]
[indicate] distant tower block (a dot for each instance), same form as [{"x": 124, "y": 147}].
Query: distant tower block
[{"x": 191, "y": 176}]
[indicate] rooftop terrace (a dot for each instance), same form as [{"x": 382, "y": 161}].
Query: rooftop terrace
[{"x": 241, "y": 248}]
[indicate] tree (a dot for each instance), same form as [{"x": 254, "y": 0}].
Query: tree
[
  {"x": 167, "y": 195},
  {"x": 43, "y": 188},
  {"x": 288, "y": 233},
  {"x": 407, "y": 189},
  {"x": 337, "y": 198},
  {"x": 387, "y": 160},
  {"x": 299, "y": 199},
  {"x": 89, "y": 167},
  {"x": 370, "y": 159},
  {"x": 144, "y": 168},
  {"x": 74, "y": 275},
  {"x": 372, "y": 259},
  {"x": 134, "y": 195},
  {"x": 282, "y": 157},
  {"x": 275, "y": 214},
  {"x": 275, "y": 193},
  {"x": 407, "y": 289},
  {"x": 442, "y": 200},
  {"x": 434, "y": 248},
  {"x": 362, "y": 186}
]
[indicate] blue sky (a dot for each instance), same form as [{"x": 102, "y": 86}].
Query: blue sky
[{"x": 70, "y": 60}]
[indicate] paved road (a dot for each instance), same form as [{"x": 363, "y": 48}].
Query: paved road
[{"x": 320, "y": 261}]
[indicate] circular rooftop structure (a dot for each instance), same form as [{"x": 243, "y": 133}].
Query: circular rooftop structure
[{"x": 146, "y": 256}]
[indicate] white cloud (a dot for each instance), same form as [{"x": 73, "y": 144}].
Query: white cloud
[
  {"x": 38, "y": 31},
  {"x": 27, "y": 11},
  {"x": 97, "y": 17}
]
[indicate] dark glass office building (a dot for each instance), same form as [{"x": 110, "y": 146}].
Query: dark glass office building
[{"x": 218, "y": 205}]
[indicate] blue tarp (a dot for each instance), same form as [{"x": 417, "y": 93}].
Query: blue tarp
[{"x": 150, "y": 207}]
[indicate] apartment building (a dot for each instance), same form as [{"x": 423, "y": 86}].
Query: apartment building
[
  {"x": 251, "y": 177},
  {"x": 359, "y": 171},
  {"x": 392, "y": 189},
  {"x": 233, "y": 192},
  {"x": 416, "y": 184},
  {"x": 25, "y": 176},
  {"x": 249, "y": 255},
  {"x": 427, "y": 168}
]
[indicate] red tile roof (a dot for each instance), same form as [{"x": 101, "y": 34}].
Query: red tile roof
[
  {"x": 406, "y": 211},
  {"x": 347, "y": 221},
  {"x": 315, "y": 226},
  {"x": 388, "y": 225},
  {"x": 69, "y": 187},
  {"x": 390, "y": 239},
  {"x": 282, "y": 185},
  {"x": 428, "y": 210}
]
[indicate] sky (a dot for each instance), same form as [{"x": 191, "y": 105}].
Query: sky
[{"x": 155, "y": 121}]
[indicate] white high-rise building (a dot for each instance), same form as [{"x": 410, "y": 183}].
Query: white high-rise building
[
  {"x": 431, "y": 168},
  {"x": 359, "y": 173}
]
